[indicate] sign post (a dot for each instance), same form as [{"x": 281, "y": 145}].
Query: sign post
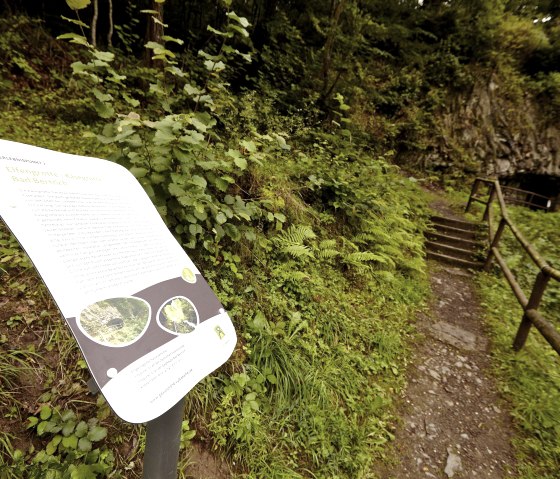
[
  {"x": 163, "y": 439},
  {"x": 148, "y": 324}
]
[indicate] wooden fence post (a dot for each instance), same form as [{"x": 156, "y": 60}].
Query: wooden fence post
[
  {"x": 488, "y": 205},
  {"x": 494, "y": 244},
  {"x": 474, "y": 190},
  {"x": 533, "y": 303}
]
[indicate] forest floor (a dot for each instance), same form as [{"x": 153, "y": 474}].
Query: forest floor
[{"x": 453, "y": 422}]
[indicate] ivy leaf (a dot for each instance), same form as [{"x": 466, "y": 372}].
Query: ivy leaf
[{"x": 78, "y": 4}]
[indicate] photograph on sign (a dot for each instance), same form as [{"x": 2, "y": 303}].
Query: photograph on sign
[{"x": 148, "y": 324}]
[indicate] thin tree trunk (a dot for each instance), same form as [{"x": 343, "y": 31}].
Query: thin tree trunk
[
  {"x": 94, "y": 23},
  {"x": 154, "y": 31},
  {"x": 337, "y": 8},
  {"x": 110, "y": 33}
]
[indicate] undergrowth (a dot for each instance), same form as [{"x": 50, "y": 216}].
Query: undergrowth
[{"x": 312, "y": 244}]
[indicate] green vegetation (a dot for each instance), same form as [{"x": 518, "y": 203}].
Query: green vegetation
[
  {"x": 266, "y": 133},
  {"x": 531, "y": 377},
  {"x": 115, "y": 321}
]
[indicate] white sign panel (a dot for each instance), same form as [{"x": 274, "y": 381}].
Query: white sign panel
[{"x": 147, "y": 322}]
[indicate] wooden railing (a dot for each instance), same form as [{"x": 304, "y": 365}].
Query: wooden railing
[{"x": 531, "y": 315}]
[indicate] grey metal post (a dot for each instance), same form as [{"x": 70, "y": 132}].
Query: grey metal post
[{"x": 163, "y": 439}]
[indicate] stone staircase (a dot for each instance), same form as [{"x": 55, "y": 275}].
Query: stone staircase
[{"x": 456, "y": 242}]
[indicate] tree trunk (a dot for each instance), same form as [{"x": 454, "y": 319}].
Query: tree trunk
[
  {"x": 336, "y": 11},
  {"x": 110, "y": 32},
  {"x": 154, "y": 31},
  {"x": 94, "y": 23}
]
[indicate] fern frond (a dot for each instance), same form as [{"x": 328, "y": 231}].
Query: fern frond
[
  {"x": 327, "y": 244},
  {"x": 297, "y": 250},
  {"x": 297, "y": 234},
  {"x": 364, "y": 256},
  {"x": 291, "y": 241},
  {"x": 327, "y": 253}
]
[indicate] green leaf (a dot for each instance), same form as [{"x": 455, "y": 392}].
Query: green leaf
[
  {"x": 97, "y": 433},
  {"x": 84, "y": 444},
  {"x": 74, "y": 38},
  {"x": 104, "y": 110},
  {"x": 70, "y": 442},
  {"x": 240, "y": 162},
  {"x": 78, "y": 4},
  {"x": 221, "y": 218},
  {"x": 232, "y": 231},
  {"x": 46, "y": 427},
  {"x": 101, "y": 96},
  {"x": 138, "y": 171},
  {"x": 192, "y": 90},
  {"x": 32, "y": 421},
  {"x": 82, "y": 471},
  {"x": 45, "y": 412},
  {"x": 249, "y": 146},
  {"x": 53, "y": 445},
  {"x": 238, "y": 29},
  {"x": 217, "y": 32},
  {"x": 241, "y": 20},
  {"x": 104, "y": 56},
  {"x": 68, "y": 428},
  {"x": 75, "y": 22},
  {"x": 167, "y": 38},
  {"x": 198, "y": 181},
  {"x": 214, "y": 66},
  {"x": 81, "y": 429}
]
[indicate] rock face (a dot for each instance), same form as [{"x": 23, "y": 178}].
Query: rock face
[{"x": 494, "y": 135}]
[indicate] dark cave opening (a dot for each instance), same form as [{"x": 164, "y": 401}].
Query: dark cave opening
[{"x": 545, "y": 185}]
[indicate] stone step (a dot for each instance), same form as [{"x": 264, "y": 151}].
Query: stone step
[
  {"x": 460, "y": 224},
  {"x": 457, "y": 232},
  {"x": 453, "y": 251},
  {"x": 456, "y": 241},
  {"x": 455, "y": 261}
]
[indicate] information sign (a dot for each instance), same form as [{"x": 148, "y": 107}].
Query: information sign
[{"x": 148, "y": 324}]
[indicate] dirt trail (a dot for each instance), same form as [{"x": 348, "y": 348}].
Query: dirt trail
[{"x": 453, "y": 421}]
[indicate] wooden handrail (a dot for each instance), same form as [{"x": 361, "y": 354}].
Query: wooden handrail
[{"x": 546, "y": 272}]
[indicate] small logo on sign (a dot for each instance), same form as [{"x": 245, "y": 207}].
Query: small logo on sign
[{"x": 219, "y": 332}]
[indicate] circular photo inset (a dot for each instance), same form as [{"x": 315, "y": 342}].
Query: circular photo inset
[
  {"x": 188, "y": 275},
  {"x": 178, "y": 315},
  {"x": 115, "y": 322}
]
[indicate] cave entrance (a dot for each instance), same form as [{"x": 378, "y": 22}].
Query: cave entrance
[{"x": 545, "y": 187}]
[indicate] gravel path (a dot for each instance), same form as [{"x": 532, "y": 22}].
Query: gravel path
[{"x": 453, "y": 422}]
